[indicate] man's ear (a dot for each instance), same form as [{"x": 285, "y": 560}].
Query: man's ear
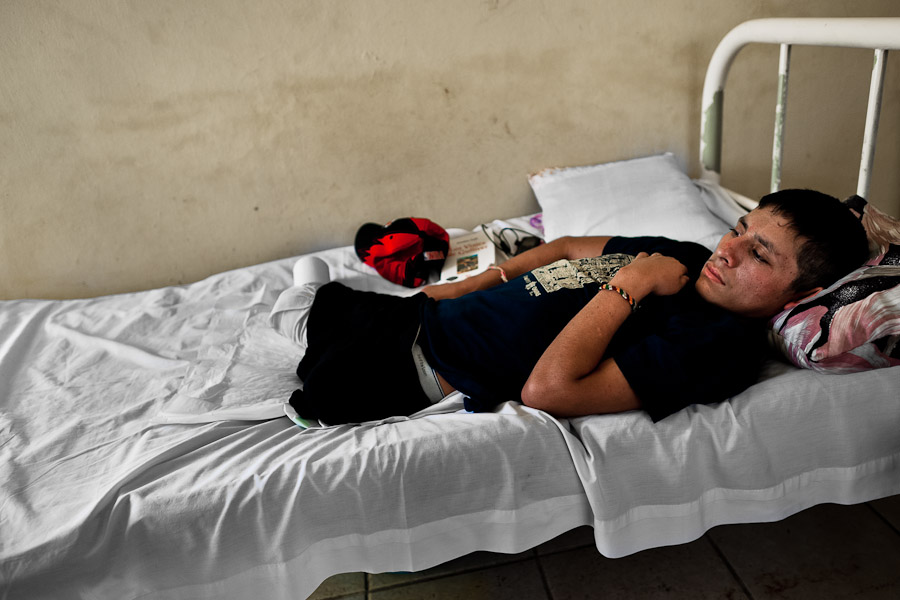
[{"x": 803, "y": 296}]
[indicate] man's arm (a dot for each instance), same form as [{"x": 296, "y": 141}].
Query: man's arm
[
  {"x": 572, "y": 378},
  {"x": 565, "y": 247}
]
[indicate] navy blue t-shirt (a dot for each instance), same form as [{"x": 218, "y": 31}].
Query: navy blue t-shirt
[{"x": 674, "y": 351}]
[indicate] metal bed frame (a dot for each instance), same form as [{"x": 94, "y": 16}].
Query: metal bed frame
[{"x": 880, "y": 34}]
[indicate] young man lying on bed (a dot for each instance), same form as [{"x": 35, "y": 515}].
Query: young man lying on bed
[{"x": 574, "y": 327}]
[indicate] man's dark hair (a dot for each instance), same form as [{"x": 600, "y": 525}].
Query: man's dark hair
[{"x": 835, "y": 241}]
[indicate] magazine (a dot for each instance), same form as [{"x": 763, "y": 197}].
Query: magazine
[{"x": 470, "y": 254}]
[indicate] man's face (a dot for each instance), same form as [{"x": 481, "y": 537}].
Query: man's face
[{"x": 751, "y": 271}]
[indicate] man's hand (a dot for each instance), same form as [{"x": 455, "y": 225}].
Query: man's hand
[{"x": 651, "y": 274}]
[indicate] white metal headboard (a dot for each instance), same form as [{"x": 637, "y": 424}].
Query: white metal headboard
[{"x": 879, "y": 34}]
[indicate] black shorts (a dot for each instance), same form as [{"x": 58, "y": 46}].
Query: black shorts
[{"x": 358, "y": 365}]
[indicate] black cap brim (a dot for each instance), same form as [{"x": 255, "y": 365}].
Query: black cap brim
[{"x": 365, "y": 237}]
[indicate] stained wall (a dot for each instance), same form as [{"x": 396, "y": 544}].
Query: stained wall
[{"x": 145, "y": 144}]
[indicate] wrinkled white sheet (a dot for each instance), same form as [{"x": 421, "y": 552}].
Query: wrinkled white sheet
[
  {"x": 125, "y": 474},
  {"x": 113, "y": 485}
]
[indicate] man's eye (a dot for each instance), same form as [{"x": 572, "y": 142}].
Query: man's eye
[
  {"x": 758, "y": 256},
  {"x": 734, "y": 232}
]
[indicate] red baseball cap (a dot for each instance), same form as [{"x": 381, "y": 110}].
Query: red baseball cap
[{"x": 405, "y": 251}]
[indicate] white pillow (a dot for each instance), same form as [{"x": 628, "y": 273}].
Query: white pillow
[{"x": 642, "y": 196}]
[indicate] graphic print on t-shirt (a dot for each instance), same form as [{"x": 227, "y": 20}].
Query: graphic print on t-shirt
[{"x": 575, "y": 274}]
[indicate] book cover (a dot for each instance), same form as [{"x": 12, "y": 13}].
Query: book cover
[{"x": 469, "y": 255}]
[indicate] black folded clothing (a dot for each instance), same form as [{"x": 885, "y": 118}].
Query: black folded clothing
[{"x": 358, "y": 365}]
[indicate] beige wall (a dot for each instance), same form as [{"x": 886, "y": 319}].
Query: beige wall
[{"x": 152, "y": 143}]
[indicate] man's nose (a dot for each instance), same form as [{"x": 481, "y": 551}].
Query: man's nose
[{"x": 728, "y": 251}]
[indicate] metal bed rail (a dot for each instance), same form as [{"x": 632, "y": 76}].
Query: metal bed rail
[{"x": 878, "y": 34}]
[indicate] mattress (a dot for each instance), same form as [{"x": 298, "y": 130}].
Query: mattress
[
  {"x": 145, "y": 454},
  {"x": 145, "y": 451}
]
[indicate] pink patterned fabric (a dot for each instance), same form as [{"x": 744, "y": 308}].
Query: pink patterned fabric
[{"x": 854, "y": 324}]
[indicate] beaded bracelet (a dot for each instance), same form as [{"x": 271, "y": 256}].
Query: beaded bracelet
[
  {"x": 621, "y": 292},
  {"x": 502, "y": 272}
]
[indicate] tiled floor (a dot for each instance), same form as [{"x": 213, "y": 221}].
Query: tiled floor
[{"x": 826, "y": 552}]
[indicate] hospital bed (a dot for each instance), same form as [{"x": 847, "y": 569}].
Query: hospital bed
[{"x": 145, "y": 453}]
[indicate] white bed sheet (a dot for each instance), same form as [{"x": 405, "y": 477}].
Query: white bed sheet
[
  {"x": 109, "y": 491},
  {"x": 115, "y": 487}
]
